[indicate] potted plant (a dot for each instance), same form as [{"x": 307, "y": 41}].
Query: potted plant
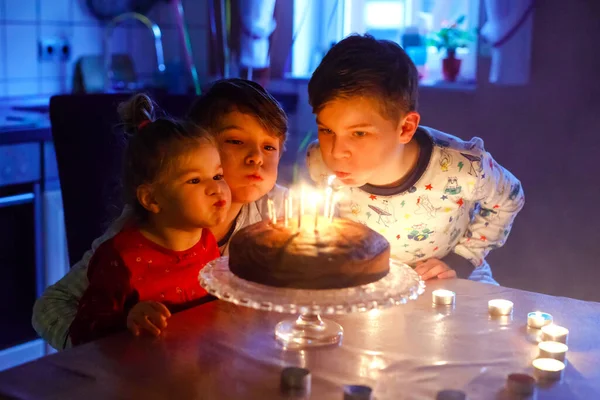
[{"x": 450, "y": 38}]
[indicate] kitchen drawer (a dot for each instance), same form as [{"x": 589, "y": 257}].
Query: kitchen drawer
[{"x": 20, "y": 163}]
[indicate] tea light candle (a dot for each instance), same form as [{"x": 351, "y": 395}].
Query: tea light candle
[
  {"x": 520, "y": 384},
  {"x": 548, "y": 369},
  {"x": 357, "y": 392},
  {"x": 555, "y": 350},
  {"x": 500, "y": 307},
  {"x": 555, "y": 333},
  {"x": 443, "y": 297},
  {"x": 538, "y": 319},
  {"x": 295, "y": 379}
]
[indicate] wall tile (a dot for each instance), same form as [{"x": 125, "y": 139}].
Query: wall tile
[
  {"x": 24, "y": 22},
  {"x": 80, "y": 13},
  {"x": 21, "y": 48},
  {"x": 54, "y": 86},
  {"x": 2, "y": 51},
  {"x": 54, "y": 10},
  {"x": 21, "y": 10},
  {"x": 22, "y": 87}
]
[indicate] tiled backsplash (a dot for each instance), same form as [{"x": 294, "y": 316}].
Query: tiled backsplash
[{"x": 24, "y": 22}]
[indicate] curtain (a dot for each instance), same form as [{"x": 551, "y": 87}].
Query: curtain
[{"x": 509, "y": 29}]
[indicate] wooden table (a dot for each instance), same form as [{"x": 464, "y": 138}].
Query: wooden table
[{"x": 221, "y": 351}]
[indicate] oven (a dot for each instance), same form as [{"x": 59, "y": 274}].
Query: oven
[{"x": 22, "y": 274}]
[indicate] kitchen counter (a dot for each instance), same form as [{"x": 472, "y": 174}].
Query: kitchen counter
[{"x": 24, "y": 120}]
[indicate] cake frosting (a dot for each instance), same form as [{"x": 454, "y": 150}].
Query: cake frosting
[{"x": 338, "y": 254}]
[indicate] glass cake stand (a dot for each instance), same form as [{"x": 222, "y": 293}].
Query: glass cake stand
[{"x": 401, "y": 284}]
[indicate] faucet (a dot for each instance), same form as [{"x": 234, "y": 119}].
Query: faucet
[{"x": 108, "y": 73}]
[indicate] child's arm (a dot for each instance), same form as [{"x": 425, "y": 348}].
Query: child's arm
[
  {"x": 500, "y": 198},
  {"x": 55, "y": 310},
  {"x": 104, "y": 306}
]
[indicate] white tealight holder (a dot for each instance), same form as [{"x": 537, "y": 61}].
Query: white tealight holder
[
  {"x": 500, "y": 307},
  {"x": 548, "y": 369},
  {"x": 555, "y": 333},
  {"x": 555, "y": 350},
  {"x": 538, "y": 319},
  {"x": 443, "y": 297}
]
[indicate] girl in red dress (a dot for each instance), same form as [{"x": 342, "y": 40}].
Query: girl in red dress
[{"x": 174, "y": 181}]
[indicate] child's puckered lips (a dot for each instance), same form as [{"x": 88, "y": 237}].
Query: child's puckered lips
[
  {"x": 220, "y": 203},
  {"x": 255, "y": 177},
  {"x": 341, "y": 174}
]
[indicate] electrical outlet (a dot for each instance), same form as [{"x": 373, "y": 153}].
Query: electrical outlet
[{"x": 54, "y": 50}]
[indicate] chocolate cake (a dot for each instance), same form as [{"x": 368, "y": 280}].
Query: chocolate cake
[{"x": 339, "y": 254}]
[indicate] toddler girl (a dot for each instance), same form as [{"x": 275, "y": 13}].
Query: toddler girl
[{"x": 173, "y": 179}]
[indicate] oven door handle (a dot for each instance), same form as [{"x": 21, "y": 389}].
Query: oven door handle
[{"x": 17, "y": 199}]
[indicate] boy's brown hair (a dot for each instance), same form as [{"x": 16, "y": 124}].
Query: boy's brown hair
[
  {"x": 244, "y": 96},
  {"x": 361, "y": 65}
]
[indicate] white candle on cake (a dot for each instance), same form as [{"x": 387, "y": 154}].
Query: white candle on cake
[
  {"x": 289, "y": 211},
  {"x": 334, "y": 200},
  {"x": 328, "y": 195},
  {"x": 315, "y": 203},
  {"x": 270, "y": 209},
  {"x": 274, "y": 220},
  {"x": 285, "y": 211},
  {"x": 301, "y": 207}
]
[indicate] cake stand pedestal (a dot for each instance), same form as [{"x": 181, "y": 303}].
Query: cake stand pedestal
[
  {"x": 308, "y": 330},
  {"x": 401, "y": 284}
]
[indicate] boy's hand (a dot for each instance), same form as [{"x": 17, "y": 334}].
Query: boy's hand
[
  {"x": 434, "y": 268},
  {"x": 149, "y": 316}
]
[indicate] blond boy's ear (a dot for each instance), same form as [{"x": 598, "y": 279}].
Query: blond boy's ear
[
  {"x": 408, "y": 126},
  {"x": 145, "y": 196}
]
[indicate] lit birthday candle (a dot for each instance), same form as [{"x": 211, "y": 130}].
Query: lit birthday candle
[
  {"x": 270, "y": 209},
  {"x": 274, "y": 215},
  {"x": 334, "y": 200},
  {"x": 301, "y": 208},
  {"x": 286, "y": 204},
  {"x": 315, "y": 203},
  {"x": 289, "y": 208},
  {"x": 328, "y": 195}
]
